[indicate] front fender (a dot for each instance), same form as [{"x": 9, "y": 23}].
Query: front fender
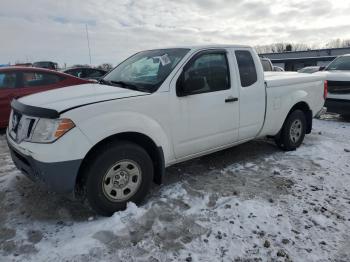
[{"x": 102, "y": 126}]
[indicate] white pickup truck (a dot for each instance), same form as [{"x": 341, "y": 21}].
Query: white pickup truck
[
  {"x": 108, "y": 141},
  {"x": 337, "y": 73}
]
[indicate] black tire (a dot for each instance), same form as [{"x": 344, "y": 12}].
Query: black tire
[
  {"x": 285, "y": 140},
  {"x": 104, "y": 159}
]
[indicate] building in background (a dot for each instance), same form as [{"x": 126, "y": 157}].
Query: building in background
[{"x": 295, "y": 60}]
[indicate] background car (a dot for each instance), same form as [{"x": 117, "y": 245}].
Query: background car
[
  {"x": 46, "y": 64},
  {"x": 16, "y": 82},
  {"x": 23, "y": 64},
  {"x": 268, "y": 66},
  {"x": 310, "y": 69},
  {"x": 86, "y": 72},
  {"x": 337, "y": 74},
  {"x": 278, "y": 69}
]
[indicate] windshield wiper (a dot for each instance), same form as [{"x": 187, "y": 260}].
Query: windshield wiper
[{"x": 128, "y": 86}]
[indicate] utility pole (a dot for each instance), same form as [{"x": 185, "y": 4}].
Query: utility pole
[{"x": 88, "y": 41}]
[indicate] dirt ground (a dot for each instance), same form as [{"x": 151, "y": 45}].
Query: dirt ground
[{"x": 252, "y": 202}]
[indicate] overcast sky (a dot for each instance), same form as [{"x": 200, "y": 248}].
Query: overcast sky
[{"x": 55, "y": 30}]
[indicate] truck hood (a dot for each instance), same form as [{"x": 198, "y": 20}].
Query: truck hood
[
  {"x": 335, "y": 75},
  {"x": 74, "y": 96}
]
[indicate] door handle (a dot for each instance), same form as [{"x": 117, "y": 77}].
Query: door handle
[{"x": 231, "y": 99}]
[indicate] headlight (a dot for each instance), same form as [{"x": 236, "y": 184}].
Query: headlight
[{"x": 49, "y": 130}]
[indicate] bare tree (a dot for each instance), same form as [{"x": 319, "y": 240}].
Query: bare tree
[
  {"x": 338, "y": 43},
  {"x": 285, "y": 47},
  {"x": 106, "y": 66}
]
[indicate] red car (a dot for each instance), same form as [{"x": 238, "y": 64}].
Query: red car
[{"x": 16, "y": 82}]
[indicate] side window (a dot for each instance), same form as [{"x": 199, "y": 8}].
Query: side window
[
  {"x": 208, "y": 72},
  {"x": 7, "y": 80},
  {"x": 246, "y": 67},
  {"x": 33, "y": 79}
]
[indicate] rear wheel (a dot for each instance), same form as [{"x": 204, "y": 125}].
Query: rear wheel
[
  {"x": 293, "y": 131},
  {"x": 119, "y": 173}
]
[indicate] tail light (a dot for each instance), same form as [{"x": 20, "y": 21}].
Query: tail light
[{"x": 325, "y": 90}]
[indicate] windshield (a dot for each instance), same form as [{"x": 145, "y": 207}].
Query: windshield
[
  {"x": 145, "y": 71},
  {"x": 340, "y": 63}
]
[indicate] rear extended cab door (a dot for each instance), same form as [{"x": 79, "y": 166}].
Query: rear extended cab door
[
  {"x": 252, "y": 92},
  {"x": 207, "y": 118}
]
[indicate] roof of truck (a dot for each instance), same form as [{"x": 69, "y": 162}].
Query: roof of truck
[
  {"x": 204, "y": 46},
  {"x": 215, "y": 46}
]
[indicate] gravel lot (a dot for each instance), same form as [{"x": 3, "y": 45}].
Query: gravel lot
[{"x": 249, "y": 203}]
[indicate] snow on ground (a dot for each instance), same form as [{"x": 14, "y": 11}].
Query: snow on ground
[{"x": 249, "y": 203}]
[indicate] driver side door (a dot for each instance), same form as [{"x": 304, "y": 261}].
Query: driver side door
[{"x": 206, "y": 109}]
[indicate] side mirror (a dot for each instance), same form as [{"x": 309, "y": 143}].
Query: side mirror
[
  {"x": 322, "y": 68},
  {"x": 189, "y": 86}
]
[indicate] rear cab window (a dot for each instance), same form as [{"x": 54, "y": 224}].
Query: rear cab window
[{"x": 246, "y": 67}]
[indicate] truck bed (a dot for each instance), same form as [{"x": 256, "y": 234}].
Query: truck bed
[
  {"x": 282, "y": 89},
  {"x": 274, "y": 79}
]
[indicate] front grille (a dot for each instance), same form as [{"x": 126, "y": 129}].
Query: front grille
[
  {"x": 30, "y": 127},
  {"x": 21, "y": 126},
  {"x": 339, "y": 87}
]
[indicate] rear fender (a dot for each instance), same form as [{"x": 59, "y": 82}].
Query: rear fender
[{"x": 279, "y": 106}]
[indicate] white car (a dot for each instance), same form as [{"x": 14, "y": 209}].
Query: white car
[
  {"x": 108, "y": 141},
  {"x": 278, "y": 69},
  {"x": 337, "y": 73},
  {"x": 266, "y": 64},
  {"x": 269, "y": 67}
]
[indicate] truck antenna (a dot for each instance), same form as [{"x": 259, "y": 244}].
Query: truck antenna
[{"x": 88, "y": 41}]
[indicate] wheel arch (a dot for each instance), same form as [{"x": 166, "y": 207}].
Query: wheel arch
[
  {"x": 303, "y": 106},
  {"x": 155, "y": 152}
]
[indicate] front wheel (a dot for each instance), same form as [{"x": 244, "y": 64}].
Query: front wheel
[
  {"x": 293, "y": 131},
  {"x": 119, "y": 173}
]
